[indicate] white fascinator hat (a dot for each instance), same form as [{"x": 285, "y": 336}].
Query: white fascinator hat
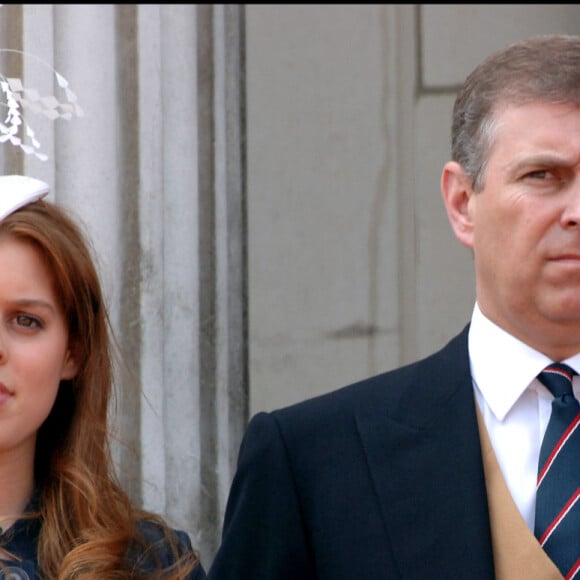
[{"x": 16, "y": 191}]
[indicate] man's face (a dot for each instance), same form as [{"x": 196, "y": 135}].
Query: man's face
[{"x": 524, "y": 227}]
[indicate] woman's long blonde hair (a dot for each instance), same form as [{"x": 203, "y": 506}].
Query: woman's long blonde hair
[{"x": 88, "y": 521}]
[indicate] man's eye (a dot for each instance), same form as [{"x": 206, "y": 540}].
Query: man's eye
[{"x": 539, "y": 174}]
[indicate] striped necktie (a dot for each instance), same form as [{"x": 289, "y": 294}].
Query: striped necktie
[{"x": 557, "y": 524}]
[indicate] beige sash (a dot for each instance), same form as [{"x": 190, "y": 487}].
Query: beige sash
[{"x": 517, "y": 553}]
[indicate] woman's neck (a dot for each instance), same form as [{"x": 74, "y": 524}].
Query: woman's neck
[{"x": 16, "y": 486}]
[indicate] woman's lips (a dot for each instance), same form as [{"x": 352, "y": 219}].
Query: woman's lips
[{"x": 5, "y": 393}]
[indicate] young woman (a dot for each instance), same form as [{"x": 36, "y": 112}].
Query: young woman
[{"x": 63, "y": 514}]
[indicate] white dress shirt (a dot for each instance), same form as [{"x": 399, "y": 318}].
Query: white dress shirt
[{"x": 515, "y": 405}]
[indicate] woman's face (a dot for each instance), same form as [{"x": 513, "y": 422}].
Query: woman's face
[{"x": 34, "y": 348}]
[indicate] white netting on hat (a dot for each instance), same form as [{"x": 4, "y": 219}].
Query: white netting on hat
[{"x": 19, "y": 99}]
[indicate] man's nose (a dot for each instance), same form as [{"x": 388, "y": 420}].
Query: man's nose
[{"x": 571, "y": 214}]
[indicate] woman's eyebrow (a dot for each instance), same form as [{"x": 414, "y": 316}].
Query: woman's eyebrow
[{"x": 34, "y": 302}]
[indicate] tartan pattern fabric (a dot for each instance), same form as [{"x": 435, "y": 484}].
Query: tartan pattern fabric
[{"x": 557, "y": 522}]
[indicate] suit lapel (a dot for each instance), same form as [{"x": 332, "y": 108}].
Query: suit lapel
[{"x": 420, "y": 435}]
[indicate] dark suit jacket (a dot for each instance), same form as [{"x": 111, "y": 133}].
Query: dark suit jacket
[{"x": 382, "y": 479}]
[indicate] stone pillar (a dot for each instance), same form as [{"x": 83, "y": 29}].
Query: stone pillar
[{"x": 156, "y": 171}]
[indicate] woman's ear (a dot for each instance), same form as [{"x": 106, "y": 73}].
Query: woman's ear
[
  {"x": 457, "y": 195},
  {"x": 71, "y": 364}
]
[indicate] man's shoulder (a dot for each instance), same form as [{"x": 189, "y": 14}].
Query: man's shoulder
[{"x": 330, "y": 427}]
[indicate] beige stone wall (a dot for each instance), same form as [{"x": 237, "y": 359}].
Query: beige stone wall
[{"x": 352, "y": 266}]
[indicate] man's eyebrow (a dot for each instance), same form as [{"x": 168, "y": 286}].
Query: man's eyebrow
[{"x": 542, "y": 160}]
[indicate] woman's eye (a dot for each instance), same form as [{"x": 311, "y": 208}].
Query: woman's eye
[{"x": 27, "y": 321}]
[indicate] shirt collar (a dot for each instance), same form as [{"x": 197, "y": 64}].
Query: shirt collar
[{"x": 502, "y": 366}]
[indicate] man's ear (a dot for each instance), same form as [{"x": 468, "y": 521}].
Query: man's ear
[
  {"x": 71, "y": 363},
  {"x": 457, "y": 194}
]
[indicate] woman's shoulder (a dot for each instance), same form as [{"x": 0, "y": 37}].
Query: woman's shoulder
[{"x": 160, "y": 545}]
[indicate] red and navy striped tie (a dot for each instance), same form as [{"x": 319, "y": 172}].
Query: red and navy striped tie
[{"x": 557, "y": 525}]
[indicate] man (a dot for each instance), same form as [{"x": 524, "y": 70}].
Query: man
[{"x": 429, "y": 471}]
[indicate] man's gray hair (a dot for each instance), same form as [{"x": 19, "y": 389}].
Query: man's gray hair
[{"x": 537, "y": 69}]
